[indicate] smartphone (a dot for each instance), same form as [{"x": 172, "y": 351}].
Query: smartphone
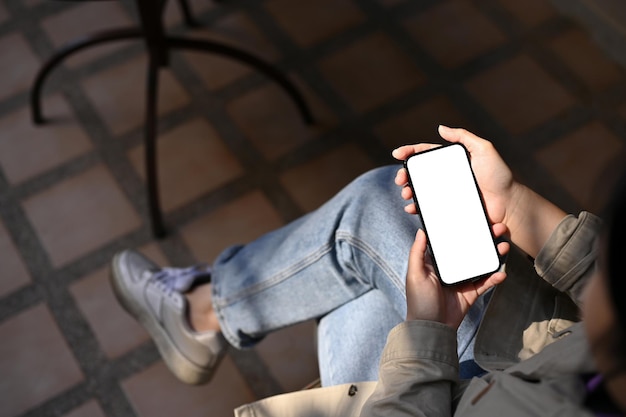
[{"x": 445, "y": 191}]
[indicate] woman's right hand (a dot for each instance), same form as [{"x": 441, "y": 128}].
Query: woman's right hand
[
  {"x": 529, "y": 218},
  {"x": 494, "y": 177}
]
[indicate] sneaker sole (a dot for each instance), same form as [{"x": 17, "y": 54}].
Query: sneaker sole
[{"x": 179, "y": 364}]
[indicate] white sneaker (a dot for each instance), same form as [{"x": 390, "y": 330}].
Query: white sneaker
[{"x": 154, "y": 297}]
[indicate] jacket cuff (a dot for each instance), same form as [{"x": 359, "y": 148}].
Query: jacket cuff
[
  {"x": 570, "y": 253},
  {"x": 423, "y": 341}
]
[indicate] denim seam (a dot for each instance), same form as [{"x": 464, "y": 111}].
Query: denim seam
[
  {"x": 223, "y": 302},
  {"x": 373, "y": 255}
]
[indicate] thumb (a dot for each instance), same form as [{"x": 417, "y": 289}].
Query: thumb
[
  {"x": 462, "y": 136},
  {"x": 417, "y": 254}
]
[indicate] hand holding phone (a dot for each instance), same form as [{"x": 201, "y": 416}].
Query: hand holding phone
[
  {"x": 447, "y": 196},
  {"x": 427, "y": 299},
  {"x": 492, "y": 173}
]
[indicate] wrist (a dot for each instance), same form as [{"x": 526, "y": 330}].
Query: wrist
[
  {"x": 530, "y": 219},
  {"x": 516, "y": 198}
]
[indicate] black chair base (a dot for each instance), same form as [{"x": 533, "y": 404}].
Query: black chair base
[{"x": 157, "y": 57}]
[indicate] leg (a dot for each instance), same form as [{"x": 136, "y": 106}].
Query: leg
[
  {"x": 349, "y": 246},
  {"x": 357, "y": 241},
  {"x": 351, "y": 339},
  {"x": 466, "y": 336},
  {"x": 332, "y": 260}
]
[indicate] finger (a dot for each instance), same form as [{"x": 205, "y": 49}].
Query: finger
[
  {"x": 403, "y": 152},
  {"x": 473, "y": 143},
  {"x": 486, "y": 284},
  {"x": 402, "y": 177},
  {"x": 417, "y": 253},
  {"x": 406, "y": 193},
  {"x": 457, "y": 135},
  {"x": 503, "y": 248},
  {"x": 499, "y": 229}
]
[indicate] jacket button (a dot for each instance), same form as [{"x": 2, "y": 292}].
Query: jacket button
[{"x": 352, "y": 391}]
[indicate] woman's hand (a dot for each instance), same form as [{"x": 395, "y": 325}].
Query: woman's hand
[
  {"x": 494, "y": 177},
  {"x": 427, "y": 299},
  {"x": 529, "y": 218}
]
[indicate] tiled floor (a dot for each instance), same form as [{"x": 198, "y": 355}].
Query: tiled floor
[{"x": 378, "y": 74}]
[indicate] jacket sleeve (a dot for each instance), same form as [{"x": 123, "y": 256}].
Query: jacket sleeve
[
  {"x": 418, "y": 369},
  {"x": 567, "y": 260}
]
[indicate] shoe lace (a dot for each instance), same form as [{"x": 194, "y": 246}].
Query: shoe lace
[{"x": 180, "y": 279}]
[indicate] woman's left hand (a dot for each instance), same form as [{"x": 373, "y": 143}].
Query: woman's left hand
[{"x": 427, "y": 299}]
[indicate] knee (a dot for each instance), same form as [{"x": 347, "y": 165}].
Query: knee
[
  {"x": 378, "y": 178},
  {"x": 376, "y": 181}
]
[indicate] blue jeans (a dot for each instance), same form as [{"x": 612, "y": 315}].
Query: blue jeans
[{"x": 343, "y": 264}]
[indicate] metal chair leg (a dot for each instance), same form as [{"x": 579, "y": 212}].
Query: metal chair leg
[
  {"x": 190, "y": 20},
  {"x": 158, "y": 47},
  {"x": 67, "y": 50},
  {"x": 269, "y": 70},
  {"x": 150, "y": 133}
]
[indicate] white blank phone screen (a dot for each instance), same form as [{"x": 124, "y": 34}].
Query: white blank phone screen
[{"x": 452, "y": 213}]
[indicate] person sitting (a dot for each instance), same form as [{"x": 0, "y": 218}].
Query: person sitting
[{"x": 509, "y": 344}]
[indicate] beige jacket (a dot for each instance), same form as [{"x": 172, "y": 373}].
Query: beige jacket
[{"x": 528, "y": 340}]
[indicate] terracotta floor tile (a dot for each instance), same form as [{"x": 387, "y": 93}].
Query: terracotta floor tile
[
  {"x": 115, "y": 330},
  {"x": 454, "y": 32},
  {"x": 309, "y": 22},
  {"x": 89, "y": 409},
  {"x": 236, "y": 30},
  {"x": 529, "y": 12},
  {"x": 582, "y": 169},
  {"x": 366, "y": 83},
  {"x": 18, "y": 65},
  {"x": 231, "y": 224},
  {"x": 13, "y": 272},
  {"x": 27, "y": 150},
  {"x": 226, "y": 391},
  {"x": 154, "y": 253},
  {"x": 80, "y": 214},
  {"x": 519, "y": 94},
  {"x": 119, "y": 94},
  {"x": 291, "y": 355},
  {"x": 84, "y": 19},
  {"x": 419, "y": 123},
  {"x": 586, "y": 59},
  {"x": 215, "y": 71},
  {"x": 29, "y": 376},
  {"x": 192, "y": 161},
  {"x": 313, "y": 183},
  {"x": 270, "y": 119},
  {"x": 4, "y": 14}
]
